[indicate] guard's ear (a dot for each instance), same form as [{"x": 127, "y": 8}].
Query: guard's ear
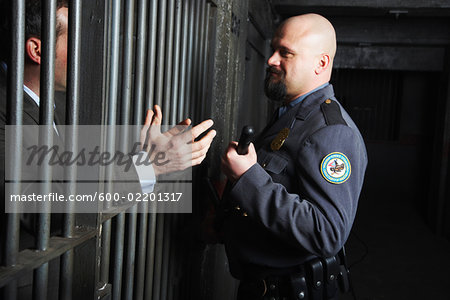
[
  {"x": 323, "y": 64},
  {"x": 33, "y": 49}
]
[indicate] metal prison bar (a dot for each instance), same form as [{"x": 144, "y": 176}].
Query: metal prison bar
[
  {"x": 72, "y": 118},
  {"x": 46, "y": 117},
  {"x": 15, "y": 107},
  {"x": 155, "y": 52}
]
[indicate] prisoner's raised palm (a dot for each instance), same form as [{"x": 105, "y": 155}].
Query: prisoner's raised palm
[{"x": 175, "y": 149}]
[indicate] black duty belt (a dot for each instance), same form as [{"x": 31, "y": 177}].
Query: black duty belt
[{"x": 318, "y": 279}]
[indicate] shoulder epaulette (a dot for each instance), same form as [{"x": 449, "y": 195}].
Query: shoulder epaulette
[{"x": 332, "y": 113}]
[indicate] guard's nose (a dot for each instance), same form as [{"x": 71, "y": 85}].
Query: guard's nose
[{"x": 274, "y": 60}]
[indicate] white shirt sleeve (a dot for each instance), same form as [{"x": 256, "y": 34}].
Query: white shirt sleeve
[{"x": 145, "y": 173}]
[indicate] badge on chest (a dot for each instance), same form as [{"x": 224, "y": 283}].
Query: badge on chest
[{"x": 278, "y": 141}]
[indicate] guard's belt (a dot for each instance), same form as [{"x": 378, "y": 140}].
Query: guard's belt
[{"x": 318, "y": 279}]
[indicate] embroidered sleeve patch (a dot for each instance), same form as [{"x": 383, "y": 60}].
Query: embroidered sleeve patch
[{"x": 336, "y": 168}]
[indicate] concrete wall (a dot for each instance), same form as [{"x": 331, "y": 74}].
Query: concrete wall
[{"x": 241, "y": 30}]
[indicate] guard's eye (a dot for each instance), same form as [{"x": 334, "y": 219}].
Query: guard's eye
[{"x": 285, "y": 53}]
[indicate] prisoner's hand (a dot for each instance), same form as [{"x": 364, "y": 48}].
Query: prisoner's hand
[
  {"x": 153, "y": 125},
  {"x": 176, "y": 149},
  {"x": 235, "y": 165}
]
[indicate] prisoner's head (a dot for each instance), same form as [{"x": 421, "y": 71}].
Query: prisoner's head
[
  {"x": 33, "y": 30},
  {"x": 303, "y": 51}
]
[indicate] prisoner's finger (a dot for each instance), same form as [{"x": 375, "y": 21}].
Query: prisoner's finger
[
  {"x": 155, "y": 128},
  {"x": 204, "y": 141},
  {"x": 143, "y": 135},
  {"x": 180, "y": 127},
  {"x": 157, "y": 119},
  {"x": 200, "y": 128}
]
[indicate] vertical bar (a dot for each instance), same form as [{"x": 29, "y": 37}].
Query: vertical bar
[
  {"x": 189, "y": 72},
  {"x": 183, "y": 62},
  {"x": 138, "y": 118},
  {"x": 127, "y": 79},
  {"x": 158, "y": 256},
  {"x": 142, "y": 243},
  {"x": 195, "y": 53},
  {"x": 105, "y": 251},
  {"x": 114, "y": 77},
  {"x": 204, "y": 57},
  {"x": 161, "y": 52},
  {"x": 201, "y": 44},
  {"x": 179, "y": 253},
  {"x": 173, "y": 258},
  {"x": 153, "y": 90},
  {"x": 150, "y": 261},
  {"x": 118, "y": 257},
  {"x": 165, "y": 256},
  {"x": 107, "y": 49},
  {"x": 73, "y": 71},
  {"x": 47, "y": 85},
  {"x": 46, "y": 111},
  {"x": 173, "y": 284},
  {"x": 176, "y": 64},
  {"x": 182, "y": 261},
  {"x": 131, "y": 253},
  {"x": 125, "y": 118},
  {"x": 141, "y": 42},
  {"x": 111, "y": 121},
  {"x": 168, "y": 61},
  {"x": 72, "y": 117},
  {"x": 72, "y": 100},
  {"x": 151, "y": 65},
  {"x": 105, "y": 228},
  {"x": 15, "y": 108}
]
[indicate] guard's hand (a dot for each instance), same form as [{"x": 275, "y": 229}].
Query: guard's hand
[
  {"x": 234, "y": 165},
  {"x": 175, "y": 149}
]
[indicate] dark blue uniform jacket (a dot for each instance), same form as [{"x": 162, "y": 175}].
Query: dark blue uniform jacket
[{"x": 288, "y": 209}]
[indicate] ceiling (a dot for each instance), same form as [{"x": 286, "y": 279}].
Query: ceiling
[{"x": 368, "y": 8}]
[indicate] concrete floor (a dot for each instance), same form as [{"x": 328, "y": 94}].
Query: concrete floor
[{"x": 405, "y": 259}]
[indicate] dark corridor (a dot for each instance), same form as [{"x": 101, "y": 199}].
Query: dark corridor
[
  {"x": 396, "y": 112},
  {"x": 392, "y": 249}
]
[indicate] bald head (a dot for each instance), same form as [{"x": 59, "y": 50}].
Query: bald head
[
  {"x": 313, "y": 31},
  {"x": 304, "y": 48}
]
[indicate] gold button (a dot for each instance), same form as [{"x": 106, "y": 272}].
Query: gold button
[
  {"x": 237, "y": 207},
  {"x": 245, "y": 214},
  {"x": 328, "y": 101},
  {"x": 264, "y": 165}
]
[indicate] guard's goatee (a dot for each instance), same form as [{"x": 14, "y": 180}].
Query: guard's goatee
[{"x": 275, "y": 90}]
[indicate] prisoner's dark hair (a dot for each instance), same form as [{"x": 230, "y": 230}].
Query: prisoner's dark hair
[{"x": 33, "y": 13}]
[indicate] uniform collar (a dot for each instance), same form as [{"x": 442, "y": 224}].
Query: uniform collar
[
  {"x": 300, "y": 111},
  {"x": 283, "y": 109},
  {"x": 300, "y": 98},
  {"x": 306, "y": 106}
]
